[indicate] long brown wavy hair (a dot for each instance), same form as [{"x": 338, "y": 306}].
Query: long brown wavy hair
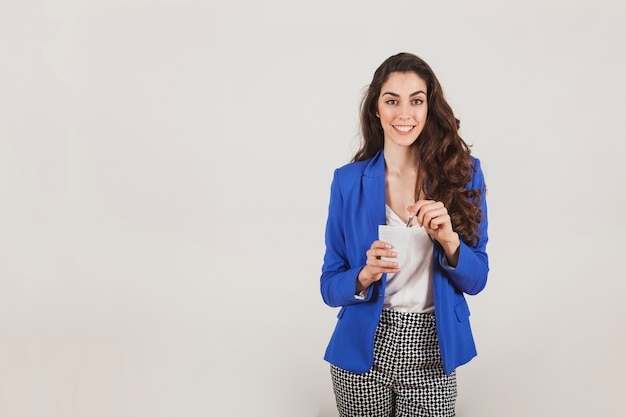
[{"x": 445, "y": 166}]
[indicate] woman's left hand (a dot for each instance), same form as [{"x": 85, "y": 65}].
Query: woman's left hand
[{"x": 434, "y": 217}]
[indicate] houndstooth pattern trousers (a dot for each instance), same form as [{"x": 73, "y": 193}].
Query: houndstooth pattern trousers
[{"x": 407, "y": 378}]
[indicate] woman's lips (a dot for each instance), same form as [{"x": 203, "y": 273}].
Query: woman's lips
[{"x": 404, "y": 128}]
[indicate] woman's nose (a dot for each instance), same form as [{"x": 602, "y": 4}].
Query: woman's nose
[{"x": 404, "y": 111}]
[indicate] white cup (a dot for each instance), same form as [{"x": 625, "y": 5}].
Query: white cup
[{"x": 399, "y": 238}]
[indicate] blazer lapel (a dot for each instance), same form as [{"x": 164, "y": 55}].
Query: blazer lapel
[{"x": 374, "y": 197}]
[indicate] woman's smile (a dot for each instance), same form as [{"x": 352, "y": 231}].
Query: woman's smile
[{"x": 404, "y": 128}]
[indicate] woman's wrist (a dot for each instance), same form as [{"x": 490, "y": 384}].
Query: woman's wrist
[
  {"x": 362, "y": 282},
  {"x": 451, "y": 249}
]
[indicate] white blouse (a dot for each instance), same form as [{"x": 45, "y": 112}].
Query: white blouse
[{"x": 411, "y": 289}]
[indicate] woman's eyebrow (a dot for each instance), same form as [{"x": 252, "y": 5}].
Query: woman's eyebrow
[{"x": 398, "y": 95}]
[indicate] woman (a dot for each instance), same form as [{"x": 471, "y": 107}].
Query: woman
[{"x": 402, "y": 332}]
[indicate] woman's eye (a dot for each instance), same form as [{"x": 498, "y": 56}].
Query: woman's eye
[
  {"x": 391, "y": 102},
  {"x": 418, "y": 101}
]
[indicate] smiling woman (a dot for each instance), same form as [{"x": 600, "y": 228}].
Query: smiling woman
[
  {"x": 402, "y": 108},
  {"x": 403, "y": 329}
]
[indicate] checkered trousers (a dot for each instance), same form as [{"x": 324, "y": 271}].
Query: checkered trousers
[{"x": 407, "y": 379}]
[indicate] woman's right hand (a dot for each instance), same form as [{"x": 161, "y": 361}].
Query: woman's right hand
[{"x": 375, "y": 267}]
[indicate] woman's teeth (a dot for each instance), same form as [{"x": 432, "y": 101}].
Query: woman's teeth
[{"x": 404, "y": 129}]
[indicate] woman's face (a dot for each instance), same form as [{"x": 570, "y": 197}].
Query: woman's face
[{"x": 402, "y": 108}]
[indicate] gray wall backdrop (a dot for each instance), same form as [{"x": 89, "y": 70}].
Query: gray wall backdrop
[{"x": 164, "y": 177}]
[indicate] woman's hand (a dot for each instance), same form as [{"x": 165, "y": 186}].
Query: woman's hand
[
  {"x": 374, "y": 266},
  {"x": 434, "y": 217}
]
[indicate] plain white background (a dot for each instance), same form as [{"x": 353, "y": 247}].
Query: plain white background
[{"x": 164, "y": 177}]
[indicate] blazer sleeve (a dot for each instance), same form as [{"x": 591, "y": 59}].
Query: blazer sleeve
[
  {"x": 339, "y": 275},
  {"x": 470, "y": 274}
]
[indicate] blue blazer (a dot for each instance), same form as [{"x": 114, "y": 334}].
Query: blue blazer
[{"x": 357, "y": 207}]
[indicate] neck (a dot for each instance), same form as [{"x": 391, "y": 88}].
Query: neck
[{"x": 400, "y": 160}]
